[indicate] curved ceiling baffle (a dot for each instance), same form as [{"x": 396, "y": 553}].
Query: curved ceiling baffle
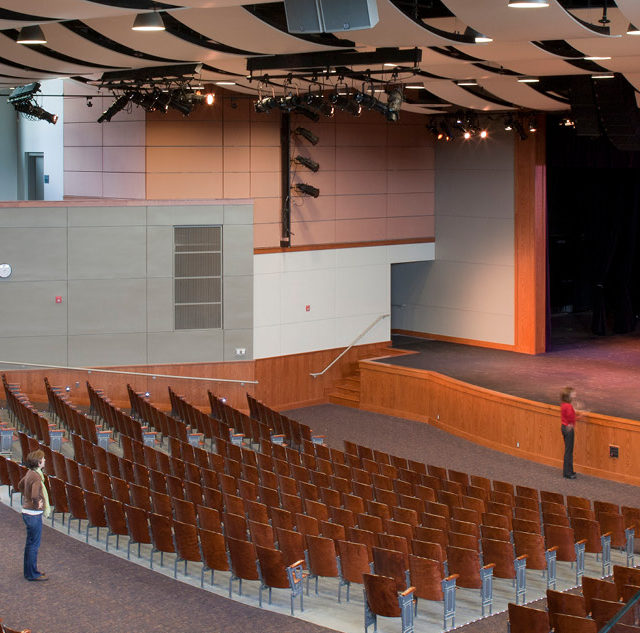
[{"x": 521, "y": 94}]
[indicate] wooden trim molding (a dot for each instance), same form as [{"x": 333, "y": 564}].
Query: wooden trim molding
[
  {"x": 454, "y": 339},
  {"x": 516, "y": 426},
  {"x": 530, "y": 242},
  {"x": 265, "y": 250}
]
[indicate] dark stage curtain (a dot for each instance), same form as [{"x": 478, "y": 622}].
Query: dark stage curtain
[{"x": 594, "y": 213}]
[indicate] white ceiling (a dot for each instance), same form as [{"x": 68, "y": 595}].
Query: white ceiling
[{"x": 232, "y": 34}]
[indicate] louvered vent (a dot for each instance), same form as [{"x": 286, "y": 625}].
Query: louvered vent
[{"x": 197, "y": 277}]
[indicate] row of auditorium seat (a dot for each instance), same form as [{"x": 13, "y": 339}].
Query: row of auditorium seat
[{"x": 362, "y": 463}]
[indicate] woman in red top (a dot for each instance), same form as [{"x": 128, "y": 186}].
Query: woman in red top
[{"x": 568, "y": 417}]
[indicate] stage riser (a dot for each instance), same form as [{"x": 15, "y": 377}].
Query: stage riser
[{"x": 500, "y": 421}]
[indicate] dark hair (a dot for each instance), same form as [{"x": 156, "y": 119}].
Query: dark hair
[
  {"x": 565, "y": 396},
  {"x": 33, "y": 459}
]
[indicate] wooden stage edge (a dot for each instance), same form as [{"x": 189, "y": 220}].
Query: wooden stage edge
[{"x": 515, "y": 426}]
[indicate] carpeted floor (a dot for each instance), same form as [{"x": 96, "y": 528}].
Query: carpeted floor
[{"x": 90, "y": 591}]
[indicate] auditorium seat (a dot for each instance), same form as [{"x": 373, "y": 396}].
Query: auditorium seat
[
  {"x": 527, "y": 619},
  {"x": 321, "y": 558},
  {"x": 597, "y": 588},
  {"x": 186, "y": 545},
  {"x": 564, "y": 603},
  {"x": 383, "y": 599}
]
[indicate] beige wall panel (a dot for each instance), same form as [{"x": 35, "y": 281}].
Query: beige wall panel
[
  {"x": 422, "y": 203},
  {"x": 82, "y": 158},
  {"x": 50, "y": 350},
  {"x": 176, "y": 186},
  {"x": 183, "y": 133},
  {"x": 185, "y": 214},
  {"x": 184, "y": 159},
  {"x": 83, "y": 134},
  {"x": 127, "y": 185},
  {"x": 123, "y": 159},
  {"x": 267, "y": 210},
  {"x": 29, "y": 308},
  {"x": 236, "y": 134},
  {"x": 354, "y": 158},
  {"x": 410, "y": 158},
  {"x": 236, "y": 185},
  {"x": 160, "y": 309},
  {"x": 265, "y": 158},
  {"x": 412, "y": 226},
  {"x": 35, "y": 216},
  {"x": 197, "y": 345},
  {"x": 123, "y": 133},
  {"x": 415, "y": 181},
  {"x": 236, "y": 159},
  {"x": 361, "y": 206},
  {"x": 107, "y": 216},
  {"x": 238, "y": 214},
  {"x": 86, "y": 184}
]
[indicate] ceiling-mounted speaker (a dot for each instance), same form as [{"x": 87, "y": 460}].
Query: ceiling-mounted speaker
[
  {"x": 348, "y": 15},
  {"x": 303, "y": 16},
  {"x": 330, "y": 16}
]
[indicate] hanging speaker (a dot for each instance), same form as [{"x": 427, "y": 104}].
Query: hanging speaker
[
  {"x": 330, "y": 16},
  {"x": 348, "y": 15},
  {"x": 303, "y": 16}
]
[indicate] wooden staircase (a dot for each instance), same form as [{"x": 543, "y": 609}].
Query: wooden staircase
[{"x": 346, "y": 392}]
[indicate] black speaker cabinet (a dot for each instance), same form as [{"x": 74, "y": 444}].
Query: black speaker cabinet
[{"x": 330, "y": 16}]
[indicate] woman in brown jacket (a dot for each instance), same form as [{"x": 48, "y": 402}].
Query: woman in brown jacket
[{"x": 35, "y": 503}]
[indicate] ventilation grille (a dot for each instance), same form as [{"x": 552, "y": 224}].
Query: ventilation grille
[{"x": 197, "y": 277}]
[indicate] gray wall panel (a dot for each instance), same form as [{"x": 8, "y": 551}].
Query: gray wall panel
[
  {"x": 160, "y": 251},
  {"x": 238, "y": 302},
  {"x": 234, "y": 339},
  {"x": 237, "y": 259},
  {"x": 107, "y": 216},
  {"x": 34, "y": 216},
  {"x": 45, "y": 258},
  {"x": 196, "y": 345},
  {"x": 107, "y": 305},
  {"x": 107, "y": 252},
  {"x": 177, "y": 214},
  {"x": 111, "y": 349},
  {"x": 160, "y": 305},
  {"x": 238, "y": 214},
  {"x": 51, "y": 350},
  {"x": 29, "y": 308},
  {"x": 114, "y": 274}
]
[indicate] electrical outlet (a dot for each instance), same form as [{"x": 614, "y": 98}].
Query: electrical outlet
[
  {"x": 241, "y": 351},
  {"x": 517, "y": 444}
]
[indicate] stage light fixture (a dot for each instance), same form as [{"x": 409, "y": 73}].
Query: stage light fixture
[
  {"x": 265, "y": 104},
  {"x": 484, "y": 134},
  {"x": 444, "y": 127},
  {"x": 307, "y": 162},
  {"x": 30, "y": 35},
  {"x": 467, "y": 135},
  {"x": 307, "y": 134},
  {"x": 394, "y": 103},
  {"x": 148, "y": 22},
  {"x": 119, "y": 104},
  {"x": 307, "y": 190},
  {"x": 517, "y": 126},
  {"x": 370, "y": 102},
  {"x": 347, "y": 103},
  {"x": 33, "y": 111},
  {"x": 476, "y": 36},
  {"x": 180, "y": 102},
  {"x": 508, "y": 124},
  {"x": 533, "y": 125}
]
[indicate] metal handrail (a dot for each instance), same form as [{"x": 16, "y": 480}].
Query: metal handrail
[
  {"x": 129, "y": 373},
  {"x": 335, "y": 360}
]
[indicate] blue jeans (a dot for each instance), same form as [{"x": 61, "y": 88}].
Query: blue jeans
[{"x": 34, "y": 532}]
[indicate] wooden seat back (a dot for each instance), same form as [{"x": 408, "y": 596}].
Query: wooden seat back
[
  {"x": 243, "y": 557},
  {"x": 564, "y": 539},
  {"x": 566, "y": 603},
  {"x": 391, "y": 563},
  {"x": 531, "y": 545},
  {"x": 322, "y": 556},
  {"x": 527, "y": 620},
  {"x": 426, "y": 576},
  {"x": 381, "y": 595}
]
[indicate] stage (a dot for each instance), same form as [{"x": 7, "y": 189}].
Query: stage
[{"x": 605, "y": 371}]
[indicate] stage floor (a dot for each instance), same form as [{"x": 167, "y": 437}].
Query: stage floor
[{"x": 605, "y": 371}]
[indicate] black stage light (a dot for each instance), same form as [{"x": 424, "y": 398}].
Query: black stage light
[
  {"x": 179, "y": 101},
  {"x": 34, "y": 111},
  {"x": 119, "y": 104},
  {"x": 266, "y": 104},
  {"x": 306, "y": 162},
  {"x": 24, "y": 93},
  {"x": 307, "y": 190},
  {"x": 308, "y": 134},
  {"x": 394, "y": 103}
]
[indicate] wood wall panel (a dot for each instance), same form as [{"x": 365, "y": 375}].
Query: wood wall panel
[
  {"x": 530, "y": 226},
  {"x": 500, "y": 421},
  {"x": 284, "y": 381}
]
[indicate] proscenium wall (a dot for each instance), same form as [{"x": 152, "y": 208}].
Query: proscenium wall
[
  {"x": 102, "y": 160},
  {"x": 468, "y": 291},
  {"x": 376, "y": 178},
  {"x": 112, "y": 267}
]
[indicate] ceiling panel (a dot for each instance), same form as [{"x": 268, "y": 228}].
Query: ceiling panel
[{"x": 510, "y": 89}]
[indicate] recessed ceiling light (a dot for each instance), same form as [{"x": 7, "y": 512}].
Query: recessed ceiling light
[
  {"x": 414, "y": 87},
  {"x": 466, "y": 82},
  {"x": 633, "y": 30},
  {"x": 603, "y": 76},
  {"x": 595, "y": 58},
  {"x": 31, "y": 35},
  {"x": 528, "y": 4},
  {"x": 528, "y": 80},
  {"x": 390, "y": 65},
  {"x": 225, "y": 83},
  {"x": 148, "y": 22}
]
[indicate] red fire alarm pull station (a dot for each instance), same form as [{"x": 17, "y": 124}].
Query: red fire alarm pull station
[
  {"x": 58, "y": 299},
  {"x": 307, "y": 308}
]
